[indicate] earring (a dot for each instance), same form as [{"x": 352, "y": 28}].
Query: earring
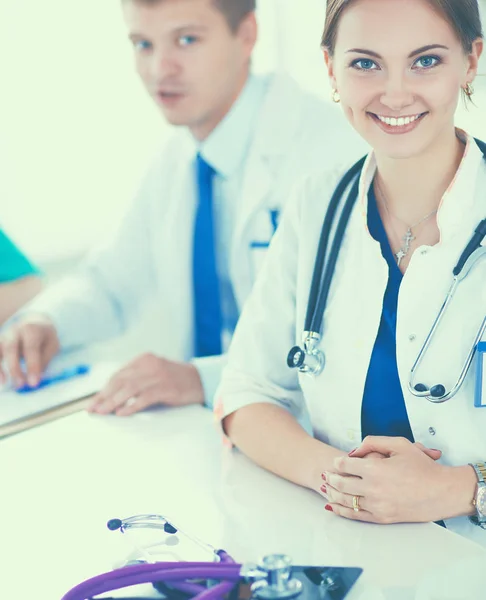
[
  {"x": 468, "y": 90},
  {"x": 335, "y": 96}
]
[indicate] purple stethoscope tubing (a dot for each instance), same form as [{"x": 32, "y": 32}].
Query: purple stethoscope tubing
[{"x": 226, "y": 570}]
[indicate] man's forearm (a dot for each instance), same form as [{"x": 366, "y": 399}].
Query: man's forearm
[
  {"x": 273, "y": 439},
  {"x": 17, "y": 293}
]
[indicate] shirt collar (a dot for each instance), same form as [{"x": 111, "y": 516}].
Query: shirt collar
[
  {"x": 226, "y": 147},
  {"x": 458, "y": 198}
]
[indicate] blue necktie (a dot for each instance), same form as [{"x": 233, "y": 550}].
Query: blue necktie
[{"x": 207, "y": 301}]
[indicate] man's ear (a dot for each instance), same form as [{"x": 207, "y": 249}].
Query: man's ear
[{"x": 248, "y": 32}]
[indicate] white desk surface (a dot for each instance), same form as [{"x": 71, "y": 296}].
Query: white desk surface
[{"x": 61, "y": 482}]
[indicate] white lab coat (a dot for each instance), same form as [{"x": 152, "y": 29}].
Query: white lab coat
[
  {"x": 273, "y": 322},
  {"x": 150, "y": 256}
]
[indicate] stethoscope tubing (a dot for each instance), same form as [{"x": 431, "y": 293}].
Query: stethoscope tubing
[
  {"x": 316, "y": 325},
  {"x": 428, "y": 340},
  {"x": 319, "y": 270},
  {"x": 148, "y": 573},
  {"x": 469, "y": 258}
]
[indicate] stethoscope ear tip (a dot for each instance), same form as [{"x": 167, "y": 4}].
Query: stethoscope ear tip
[
  {"x": 114, "y": 524},
  {"x": 438, "y": 391},
  {"x": 168, "y": 528}
]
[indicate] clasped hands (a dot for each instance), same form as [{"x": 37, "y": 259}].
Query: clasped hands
[{"x": 395, "y": 481}]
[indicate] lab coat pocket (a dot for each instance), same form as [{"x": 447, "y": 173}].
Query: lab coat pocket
[{"x": 258, "y": 251}]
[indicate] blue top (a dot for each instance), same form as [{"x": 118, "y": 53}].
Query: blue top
[
  {"x": 13, "y": 264},
  {"x": 383, "y": 410}
]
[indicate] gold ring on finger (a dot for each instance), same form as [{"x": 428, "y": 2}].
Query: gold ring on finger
[{"x": 356, "y": 507}]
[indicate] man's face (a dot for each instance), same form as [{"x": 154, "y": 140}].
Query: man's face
[{"x": 190, "y": 61}]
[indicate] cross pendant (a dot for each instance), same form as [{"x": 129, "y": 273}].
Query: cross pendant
[
  {"x": 399, "y": 256},
  {"x": 408, "y": 238}
]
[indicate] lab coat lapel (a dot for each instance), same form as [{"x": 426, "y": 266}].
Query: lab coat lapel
[
  {"x": 179, "y": 235},
  {"x": 271, "y": 140}
]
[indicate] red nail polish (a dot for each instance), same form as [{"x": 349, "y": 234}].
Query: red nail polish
[
  {"x": 324, "y": 489},
  {"x": 352, "y": 452},
  {"x": 324, "y": 477},
  {"x": 328, "y": 507}
]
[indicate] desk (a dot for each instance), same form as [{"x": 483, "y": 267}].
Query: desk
[{"x": 61, "y": 482}]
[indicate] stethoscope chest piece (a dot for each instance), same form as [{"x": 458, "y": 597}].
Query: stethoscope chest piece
[
  {"x": 274, "y": 579},
  {"x": 308, "y": 359}
]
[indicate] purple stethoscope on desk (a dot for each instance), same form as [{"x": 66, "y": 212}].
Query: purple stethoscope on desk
[
  {"x": 274, "y": 578},
  {"x": 171, "y": 576}
]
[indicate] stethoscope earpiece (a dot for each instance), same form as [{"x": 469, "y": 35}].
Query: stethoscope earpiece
[
  {"x": 437, "y": 391},
  {"x": 114, "y": 524}
]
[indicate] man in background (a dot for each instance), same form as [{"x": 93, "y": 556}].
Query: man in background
[{"x": 200, "y": 225}]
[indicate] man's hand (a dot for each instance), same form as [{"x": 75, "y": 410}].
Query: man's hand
[
  {"x": 148, "y": 381},
  {"x": 32, "y": 339}
]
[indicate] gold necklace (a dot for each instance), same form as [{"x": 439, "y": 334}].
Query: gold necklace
[{"x": 408, "y": 238}]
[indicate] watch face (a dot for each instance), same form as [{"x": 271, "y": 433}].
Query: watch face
[{"x": 481, "y": 502}]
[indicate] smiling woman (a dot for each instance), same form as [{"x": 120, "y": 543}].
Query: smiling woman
[
  {"x": 398, "y": 69},
  {"x": 415, "y": 81},
  {"x": 300, "y": 25}
]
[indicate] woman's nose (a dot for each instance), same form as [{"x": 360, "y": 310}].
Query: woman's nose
[{"x": 397, "y": 94}]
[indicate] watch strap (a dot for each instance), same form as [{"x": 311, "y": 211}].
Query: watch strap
[{"x": 480, "y": 469}]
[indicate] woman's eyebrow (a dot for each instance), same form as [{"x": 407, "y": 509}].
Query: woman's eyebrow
[{"x": 411, "y": 55}]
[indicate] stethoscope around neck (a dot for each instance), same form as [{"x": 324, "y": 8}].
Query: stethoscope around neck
[{"x": 309, "y": 358}]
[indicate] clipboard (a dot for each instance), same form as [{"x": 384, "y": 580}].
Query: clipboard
[
  {"x": 24, "y": 411},
  {"x": 44, "y": 417}
]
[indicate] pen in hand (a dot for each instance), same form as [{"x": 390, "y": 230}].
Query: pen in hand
[{"x": 64, "y": 375}]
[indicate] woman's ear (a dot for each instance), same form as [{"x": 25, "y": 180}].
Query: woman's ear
[
  {"x": 473, "y": 60},
  {"x": 330, "y": 68}
]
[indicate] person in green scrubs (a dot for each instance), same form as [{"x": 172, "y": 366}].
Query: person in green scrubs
[{"x": 19, "y": 279}]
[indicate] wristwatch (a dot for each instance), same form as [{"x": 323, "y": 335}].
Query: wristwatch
[{"x": 479, "y": 501}]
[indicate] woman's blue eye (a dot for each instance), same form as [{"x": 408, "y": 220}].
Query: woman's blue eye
[
  {"x": 427, "y": 62},
  {"x": 142, "y": 45},
  {"x": 187, "y": 40},
  {"x": 364, "y": 64}
]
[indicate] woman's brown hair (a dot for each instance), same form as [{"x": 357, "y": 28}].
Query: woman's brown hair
[{"x": 463, "y": 16}]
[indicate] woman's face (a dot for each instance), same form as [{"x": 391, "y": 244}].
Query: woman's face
[{"x": 399, "y": 68}]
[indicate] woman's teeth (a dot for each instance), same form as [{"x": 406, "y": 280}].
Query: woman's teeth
[{"x": 398, "y": 122}]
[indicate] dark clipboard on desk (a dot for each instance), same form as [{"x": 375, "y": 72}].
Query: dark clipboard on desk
[{"x": 318, "y": 583}]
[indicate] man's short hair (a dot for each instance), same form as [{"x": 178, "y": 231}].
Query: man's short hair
[{"x": 234, "y": 11}]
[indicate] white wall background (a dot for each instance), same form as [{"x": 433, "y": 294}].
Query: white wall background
[{"x": 76, "y": 128}]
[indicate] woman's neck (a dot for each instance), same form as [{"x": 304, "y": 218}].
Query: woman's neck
[{"x": 414, "y": 187}]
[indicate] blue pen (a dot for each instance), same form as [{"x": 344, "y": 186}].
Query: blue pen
[
  {"x": 274, "y": 216},
  {"x": 64, "y": 375}
]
